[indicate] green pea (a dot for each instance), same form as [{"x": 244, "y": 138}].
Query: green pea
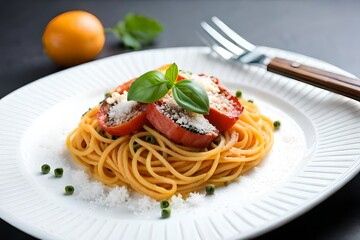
[
  {"x": 210, "y": 189},
  {"x": 238, "y": 93},
  {"x": 45, "y": 169},
  {"x": 277, "y": 124},
  {"x": 58, "y": 172},
  {"x": 69, "y": 190},
  {"x": 164, "y": 204},
  {"x": 166, "y": 212},
  {"x": 150, "y": 139}
]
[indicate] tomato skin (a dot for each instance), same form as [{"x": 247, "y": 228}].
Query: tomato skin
[
  {"x": 220, "y": 119},
  {"x": 225, "y": 120},
  {"x": 180, "y": 77},
  {"x": 174, "y": 132},
  {"x": 125, "y": 86},
  {"x": 134, "y": 124}
]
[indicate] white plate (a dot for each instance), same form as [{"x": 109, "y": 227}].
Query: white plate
[{"x": 316, "y": 152}]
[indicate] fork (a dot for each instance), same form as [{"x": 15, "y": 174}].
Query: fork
[{"x": 231, "y": 46}]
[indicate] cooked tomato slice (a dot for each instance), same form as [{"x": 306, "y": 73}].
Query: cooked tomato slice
[
  {"x": 225, "y": 108},
  {"x": 125, "y": 86},
  {"x": 131, "y": 125},
  {"x": 173, "y": 131}
]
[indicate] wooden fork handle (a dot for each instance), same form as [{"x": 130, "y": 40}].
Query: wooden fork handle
[{"x": 333, "y": 82}]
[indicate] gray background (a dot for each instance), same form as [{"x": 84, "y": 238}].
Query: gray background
[{"x": 327, "y": 30}]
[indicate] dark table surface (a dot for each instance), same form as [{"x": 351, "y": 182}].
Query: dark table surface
[{"x": 327, "y": 30}]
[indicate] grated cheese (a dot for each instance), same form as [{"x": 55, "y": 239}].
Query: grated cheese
[
  {"x": 177, "y": 202},
  {"x": 91, "y": 191},
  {"x": 205, "y": 81},
  {"x": 143, "y": 205},
  {"x": 193, "y": 122},
  {"x": 123, "y": 110},
  {"x": 96, "y": 192},
  {"x": 80, "y": 177},
  {"x": 196, "y": 199},
  {"x": 99, "y": 194},
  {"x": 115, "y": 197},
  {"x": 217, "y": 99}
]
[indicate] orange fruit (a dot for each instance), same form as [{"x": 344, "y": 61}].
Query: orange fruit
[{"x": 73, "y": 37}]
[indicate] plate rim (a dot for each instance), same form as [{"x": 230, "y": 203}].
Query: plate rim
[{"x": 38, "y": 232}]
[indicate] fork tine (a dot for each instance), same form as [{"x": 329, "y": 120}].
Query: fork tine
[
  {"x": 216, "y": 48},
  {"x": 241, "y": 42},
  {"x": 247, "y": 57},
  {"x": 222, "y": 52},
  {"x": 228, "y": 45}
]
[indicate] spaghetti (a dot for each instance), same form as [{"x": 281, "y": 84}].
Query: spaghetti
[{"x": 162, "y": 168}]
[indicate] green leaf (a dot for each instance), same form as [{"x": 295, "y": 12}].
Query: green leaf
[
  {"x": 148, "y": 88},
  {"x": 171, "y": 73},
  {"x": 130, "y": 41},
  {"x": 191, "y": 96},
  {"x": 118, "y": 30},
  {"x": 143, "y": 28},
  {"x": 137, "y": 30}
]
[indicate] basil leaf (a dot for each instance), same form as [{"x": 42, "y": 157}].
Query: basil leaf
[
  {"x": 171, "y": 73},
  {"x": 136, "y": 30},
  {"x": 191, "y": 96},
  {"x": 148, "y": 88}
]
